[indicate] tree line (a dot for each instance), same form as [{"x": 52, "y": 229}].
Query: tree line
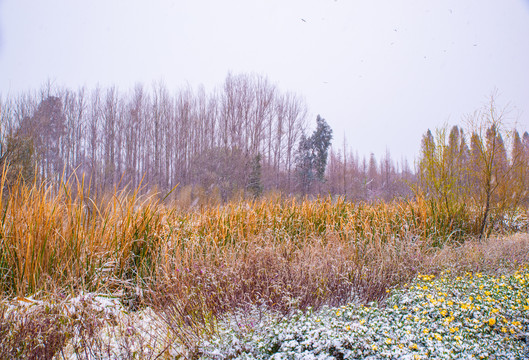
[{"x": 246, "y": 136}]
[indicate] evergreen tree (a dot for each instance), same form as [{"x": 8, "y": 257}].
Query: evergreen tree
[
  {"x": 254, "y": 181},
  {"x": 311, "y": 159},
  {"x": 321, "y": 141}
]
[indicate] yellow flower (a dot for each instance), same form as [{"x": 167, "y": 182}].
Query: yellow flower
[
  {"x": 438, "y": 336},
  {"x": 444, "y": 312},
  {"x": 503, "y": 329},
  {"x": 389, "y": 341},
  {"x": 453, "y": 329},
  {"x": 413, "y": 346},
  {"x": 492, "y": 321},
  {"x": 426, "y": 331},
  {"x": 362, "y": 322},
  {"x": 495, "y": 310},
  {"x": 448, "y": 320},
  {"x": 457, "y": 337},
  {"x": 395, "y": 307},
  {"x": 347, "y": 328},
  {"x": 338, "y": 313},
  {"x": 374, "y": 347}
]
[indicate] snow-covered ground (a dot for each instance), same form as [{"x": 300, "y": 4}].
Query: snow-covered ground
[
  {"x": 463, "y": 317},
  {"x": 103, "y": 329}
]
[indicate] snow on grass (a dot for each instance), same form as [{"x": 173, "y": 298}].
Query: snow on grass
[
  {"x": 473, "y": 316},
  {"x": 92, "y": 326},
  {"x": 122, "y": 335}
]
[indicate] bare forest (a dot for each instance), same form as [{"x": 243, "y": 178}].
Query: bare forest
[{"x": 244, "y": 138}]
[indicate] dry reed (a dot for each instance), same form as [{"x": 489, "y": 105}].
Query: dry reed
[{"x": 195, "y": 265}]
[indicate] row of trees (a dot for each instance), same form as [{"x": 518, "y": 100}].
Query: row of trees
[
  {"x": 248, "y": 137},
  {"x": 245, "y": 136},
  {"x": 368, "y": 179},
  {"x": 156, "y": 138},
  {"x": 485, "y": 168}
]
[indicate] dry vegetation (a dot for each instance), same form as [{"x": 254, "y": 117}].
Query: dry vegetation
[{"x": 194, "y": 265}]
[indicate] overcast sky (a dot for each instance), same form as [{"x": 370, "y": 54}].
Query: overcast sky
[{"x": 380, "y": 72}]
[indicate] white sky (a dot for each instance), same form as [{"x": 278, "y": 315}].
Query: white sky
[{"x": 380, "y": 72}]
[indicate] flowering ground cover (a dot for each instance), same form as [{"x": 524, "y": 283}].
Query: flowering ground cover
[{"x": 444, "y": 317}]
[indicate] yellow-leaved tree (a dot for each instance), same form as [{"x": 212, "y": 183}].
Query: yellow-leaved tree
[{"x": 487, "y": 179}]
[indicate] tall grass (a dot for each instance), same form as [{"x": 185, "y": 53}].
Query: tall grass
[
  {"x": 65, "y": 235},
  {"x": 192, "y": 265}
]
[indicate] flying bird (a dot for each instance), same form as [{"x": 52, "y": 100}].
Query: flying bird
[{"x": 303, "y": 20}]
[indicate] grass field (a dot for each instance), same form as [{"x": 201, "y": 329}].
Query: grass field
[{"x": 134, "y": 275}]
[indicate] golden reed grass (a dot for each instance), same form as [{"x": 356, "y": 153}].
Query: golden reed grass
[
  {"x": 194, "y": 265},
  {"x": 67, "y": 235}
]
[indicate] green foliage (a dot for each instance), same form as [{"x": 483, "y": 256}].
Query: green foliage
[
  {"x": 321, "y": 141},
  {"x": 313, "y": 151},
  {"x": 475, "y": 316},
  {"x": 254, "y": 182}
]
